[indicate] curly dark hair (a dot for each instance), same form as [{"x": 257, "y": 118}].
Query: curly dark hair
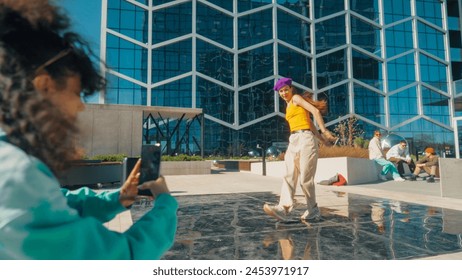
[{"x": 32, "y": 33}]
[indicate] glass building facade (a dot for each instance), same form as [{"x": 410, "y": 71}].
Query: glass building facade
[{"x": 389, "y": 63}]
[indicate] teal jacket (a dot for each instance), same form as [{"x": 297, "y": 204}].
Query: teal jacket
[{"x": 40, "y": 220}]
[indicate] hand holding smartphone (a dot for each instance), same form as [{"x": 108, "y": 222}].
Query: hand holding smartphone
[{"x": 150, "y": 165}]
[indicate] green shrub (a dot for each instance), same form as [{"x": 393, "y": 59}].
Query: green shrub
[
  {"x": 182, "y": 157},
  {"x": 110, "y": 157}
]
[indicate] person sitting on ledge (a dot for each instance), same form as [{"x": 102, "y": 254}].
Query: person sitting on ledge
[
  {"x": 399, "y": 154},
  {"x": 376, "y": 154},
  {"x": 429, "y": 163}
]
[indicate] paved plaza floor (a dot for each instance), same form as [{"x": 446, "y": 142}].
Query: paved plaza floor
[{"x": 221, "y": 217}]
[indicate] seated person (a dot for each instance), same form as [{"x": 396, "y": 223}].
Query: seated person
[
  {"x": 429, "y": 163},
  {"x": 376, "y": 154},
  {"x": 399, "y": 154}
]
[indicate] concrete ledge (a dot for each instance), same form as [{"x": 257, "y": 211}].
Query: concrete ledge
[
  {"x": 185, "y": 167},
  {"x": 450, "y": 181},
  {"x": 355, "y": 170},
  {"x": 92, "y": 173}
]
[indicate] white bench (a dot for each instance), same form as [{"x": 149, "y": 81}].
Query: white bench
[{"x": 355, "y": 170}]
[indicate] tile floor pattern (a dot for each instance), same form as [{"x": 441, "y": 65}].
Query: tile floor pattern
[{"x": 356, "y": 227}]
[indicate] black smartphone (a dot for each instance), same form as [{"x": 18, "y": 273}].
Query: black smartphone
[{"x": 150, "y": 165}]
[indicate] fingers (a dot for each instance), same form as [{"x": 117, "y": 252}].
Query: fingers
[{"x": 136, "y": 169}]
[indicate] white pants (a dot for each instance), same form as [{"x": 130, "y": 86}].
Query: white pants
[{"x": 301, "y": 159}]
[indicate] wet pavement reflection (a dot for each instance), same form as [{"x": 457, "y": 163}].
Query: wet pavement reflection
[{"x": 234, "y": 227}]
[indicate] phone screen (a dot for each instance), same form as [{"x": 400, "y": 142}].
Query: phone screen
[{"x": 150, "y": 165}]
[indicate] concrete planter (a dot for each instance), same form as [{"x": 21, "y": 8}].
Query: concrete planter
[
  {"x": 185, "y": 167},
  {"x": 355, "y": 170},
  {"x": 92, "y": 174}
]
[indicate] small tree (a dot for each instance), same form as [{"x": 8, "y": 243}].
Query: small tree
[{"x": 348, "y": 130}]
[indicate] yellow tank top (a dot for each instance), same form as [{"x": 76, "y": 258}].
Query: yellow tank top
[{"x": 297, "y": 117}]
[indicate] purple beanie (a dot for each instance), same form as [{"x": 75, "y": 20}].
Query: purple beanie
[{"x": 282, "y": 82}]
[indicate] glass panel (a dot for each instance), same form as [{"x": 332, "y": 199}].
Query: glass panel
[
  {"x": 255, "y": 102},
  {"x": 299, "y": 6},
  {"x": 422, "y": 133},
  {"x": 367, "y": 128},
  {"x": 330, "y": 34},
  {"x": 365, "y": 35},
  {"x": 171, "y": 22},
  {"x": 295, "y": 65},
  {"x": 224, "y": 141},
  {"x": 255, "y": 64},
  {"x": 215, "y": 62},
  {"x": 403, "y": 106},
  {"x": 145, "y": 2},
  {"x": 160, "y": 2},
  {"x": 121, "y": 91},
  {"x": 459, "y": 136},
  {"x": 433, "y": 72},
  {"x": 399, "y": 38},
  {"x": 401, "y": 72},
  {"x": 455, "y": 40},
  {"x": 430, "y": 10},
  {"x": 332, "y": 68},
  {"x": 395, "y": 10},
  {"x": 245, "y": 5},
  {"x": 255, "y": 28},
  {"x": 458, "y": 108},
  {"x": 431, "y": 40},
  {"x": 456, "y": 67},
  {"x": 128, "y": 19},
  {"x": 369, "y": 104},
  {"x": 367, "y": 8},
  {"x": 435, "y": 106},
  {"x": 126, "y": 58},
  {"x": 456, "y": 55},
  {"x": 338, "y": 101},
  {"x": 225, "y": 4},
  {"x": 174, "y": 94},
  {"x": 214, "y": 25},
  {"x": 367, "y": 69},
  {"x": 294, "y": 31},
  {"x": 216, "y": 101},
  {"x": 171, "y": 60},
  {"x": 453, "y": 23},
  {"x": 325, "y": 8}
]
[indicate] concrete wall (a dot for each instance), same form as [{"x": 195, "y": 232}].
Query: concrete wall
[
  {"x": 450, "y": 182},
  {"x": 111, "y": 129},
  {"x": 355, "y": 170}
]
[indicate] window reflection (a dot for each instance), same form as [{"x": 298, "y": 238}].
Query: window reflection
[
  {"x": 171, "y": 60},
  {"x": 403, "y": 106},
  {"x": 215, "y": 100},
  {"x": 365, "y": 36},
  {"x": 297, "y": 35},
  {"x": 399, "y": 38},
  {"x": 401, "y": 72},
  {"x": 121, "y": 91},
  {"x": 369, "y": 104},
  {"x": 214, "y": 25},
  {"x": 255, "y": 64},
  {"x": 255, "y": 28},
  {"x": 256, "y": 102},
  {"x": 367, "y": 70},
  {"x": 395, "y": 10},
  {"x": 215, "y": 62},
  {"x": 174, "y": 94},
  {"x": 171, "y": 22}
]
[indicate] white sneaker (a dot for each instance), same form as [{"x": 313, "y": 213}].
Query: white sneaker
[
  {"x": 399, "y": 179},
  {"x": 312, "y": 215},
  {"x": 278, "y": 212},
  {"x": 383, "y": 177}
]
